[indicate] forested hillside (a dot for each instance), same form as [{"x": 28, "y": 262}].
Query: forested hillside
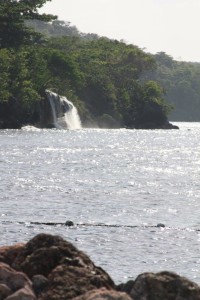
[
  {"x": 104, "y": 78},
  {"x": 181, "y": 81}
]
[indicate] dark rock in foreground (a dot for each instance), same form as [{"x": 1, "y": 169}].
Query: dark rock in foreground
[
  {"x": 163, "y": 285},
  {"x": 48, "y": 267}
]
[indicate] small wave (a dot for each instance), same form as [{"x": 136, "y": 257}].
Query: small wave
[{"x": 30, "y": 128}]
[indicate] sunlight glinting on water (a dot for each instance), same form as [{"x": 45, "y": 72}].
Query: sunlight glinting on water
[{"x": 128, "y": 179}]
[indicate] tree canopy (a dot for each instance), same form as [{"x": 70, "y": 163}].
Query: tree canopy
[
  {"x": 13, "y": 13},
  {"x": 103, "y": 77},
  {"x": 181, "y": 81}
]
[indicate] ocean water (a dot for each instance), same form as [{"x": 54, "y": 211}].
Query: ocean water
[{"x": 116, "y": 186}]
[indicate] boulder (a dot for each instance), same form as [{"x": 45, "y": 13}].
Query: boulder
[
  {"x": 9, "y": 253},
  {"x": 14, "y": 285},
  {"x": 67, "y": 282},
  {"x": 103, "y": 294},
  {"x": 39, "y": 283},
  {"x": 161, "y": 286},
  {"x": 56, "y": 267},
  {"x": 48, "y": 267},
  {"x": 22, "y": 294},
  {"x": 5, "y": 291}
]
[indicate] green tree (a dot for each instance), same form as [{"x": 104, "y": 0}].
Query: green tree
[
  {"x": 5, "y": 64},
  {"x": 155, "y": 108},
  {"x": 13, "y": 13},
  {"x": 101, "y": 76},
  {"x": 181, "y": 81}
]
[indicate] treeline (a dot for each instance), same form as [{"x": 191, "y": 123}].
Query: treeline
[
  {"x": 104, "y": 78},
  {"x": 58, "y": 28},
  {"x": 181, "y": 81}
]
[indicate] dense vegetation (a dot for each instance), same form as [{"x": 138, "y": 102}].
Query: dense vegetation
[
  {"x": 181, "y": 80},
  {"x": 104, "y": 78}
]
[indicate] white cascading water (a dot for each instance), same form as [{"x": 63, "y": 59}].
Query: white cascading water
[
  {"x": 71, "y": 116},
  {"x": 53, "y": 107},
  {"x": 64, "y": 113}
]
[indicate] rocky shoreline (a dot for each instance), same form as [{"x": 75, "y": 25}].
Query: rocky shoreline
[{"x": 49, "y": 268}]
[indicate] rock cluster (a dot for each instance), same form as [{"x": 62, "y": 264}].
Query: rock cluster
[
  {"x": 163, "y": 285},
  {"x": 50, "y": 268}
]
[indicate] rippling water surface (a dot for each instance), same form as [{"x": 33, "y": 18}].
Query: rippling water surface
[{"x": 130, "y": 180}]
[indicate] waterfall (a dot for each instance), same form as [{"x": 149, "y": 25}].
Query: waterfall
[{"x": 64, "y": 114}]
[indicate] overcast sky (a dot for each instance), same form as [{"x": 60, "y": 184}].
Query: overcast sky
[{"x": 171, "y": 26}]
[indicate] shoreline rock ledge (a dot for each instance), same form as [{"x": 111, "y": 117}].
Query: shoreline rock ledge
[{"x": 49, "y": 268}]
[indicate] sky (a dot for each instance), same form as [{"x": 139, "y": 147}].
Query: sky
[{"x": 170, "y": 26}]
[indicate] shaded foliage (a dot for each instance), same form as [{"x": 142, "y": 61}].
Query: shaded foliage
[
  {"x": 13, "y": 31},
  {"x": 59, "y": 28},
  {"x": 101, "y": 76},
  {"x": 181, "y": 81}
]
